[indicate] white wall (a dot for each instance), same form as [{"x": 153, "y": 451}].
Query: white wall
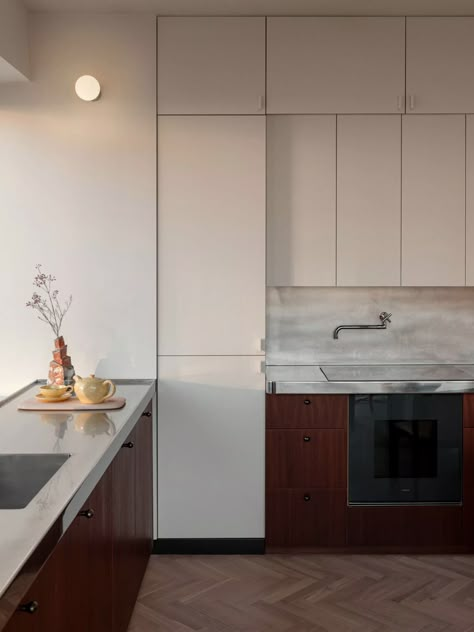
[
  {"x": 14, "y": 53},
  {"x": 78, "y": 194}
]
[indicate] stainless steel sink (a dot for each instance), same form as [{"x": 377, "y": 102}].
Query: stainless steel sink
[{"x": 23, "y": 475}]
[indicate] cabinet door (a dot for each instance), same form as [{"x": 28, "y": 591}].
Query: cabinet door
[
  {"x": 368, "y": 200},
  {"x": 125, "y": 584},
  {"x": 211, "y": 65},
  {"x": 440, "y": 57},
  {"x": 336, "y": 65},
  {"x": 312, "y": 458},
  {"x": 470, "y": 200},
  {"x": 211, "y": 235},
  {"x": 211, "y": 447},
  {"x": 144, "y": 490},
  {"x": 433, "y": 200},
  {"x": 301, "y": 200}
]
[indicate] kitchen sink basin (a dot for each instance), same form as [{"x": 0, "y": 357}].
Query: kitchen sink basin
[{"x": 23, "y": 475}]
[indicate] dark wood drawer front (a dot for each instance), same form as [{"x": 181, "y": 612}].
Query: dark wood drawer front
[
  {"x": 307, "y": 411},
  {"x": 306, "y": 517},
  {"x": 468, "y": 405},
  {"x": 306, "y": 458},
  {"x": 405, "y": 526}
]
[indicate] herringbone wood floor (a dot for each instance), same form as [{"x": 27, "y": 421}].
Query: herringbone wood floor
[{"x": 303, "y": 593}]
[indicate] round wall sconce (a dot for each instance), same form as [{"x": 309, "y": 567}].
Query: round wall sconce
[{"x": 88, "y": 88}]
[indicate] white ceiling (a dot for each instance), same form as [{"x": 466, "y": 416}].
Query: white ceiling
[{"x": 262, "y": 7}]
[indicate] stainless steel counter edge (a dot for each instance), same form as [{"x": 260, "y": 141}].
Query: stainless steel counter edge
[
  {"x": 11, "y": 593},
  {"x": 366, "y": 387}
]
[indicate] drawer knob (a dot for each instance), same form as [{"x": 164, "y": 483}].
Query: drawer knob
[
  {"x": 306, "y": 498},
  {"x": 147, "y": 414},
  {"x": 129, "y": 444},
  {"x": 307, "y": 402},
  {"x": 87, "y": 513},
  {"x": 31, "y": 607},
  {"x": 306, "y": 439}
]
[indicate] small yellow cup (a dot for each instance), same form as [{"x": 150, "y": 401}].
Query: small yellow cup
[{"x": 54, "y": 391}]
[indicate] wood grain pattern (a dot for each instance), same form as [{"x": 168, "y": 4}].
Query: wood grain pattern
[
  {"x": 307, "y": 411},
  {"x": 305, "y": 517},
  {"x": 306, "y": 458},
  {"x": 421, "y": 527},
  {"x": 468, "y": 410},
  {"x": 307, "y": 593},
  {"x": 468, "y": 486},
  {"x": 144, "y": 492}
]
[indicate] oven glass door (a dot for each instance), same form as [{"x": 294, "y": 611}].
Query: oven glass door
[{"x": 405, "y": 449}]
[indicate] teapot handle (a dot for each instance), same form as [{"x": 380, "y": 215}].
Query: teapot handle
[{"x": 112, "y": 389}]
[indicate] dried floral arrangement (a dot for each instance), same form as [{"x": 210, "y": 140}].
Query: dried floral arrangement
[{"x": 46, "y": 301}]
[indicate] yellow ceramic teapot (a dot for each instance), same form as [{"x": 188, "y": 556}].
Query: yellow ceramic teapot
[{"x": 93, "y": 390}]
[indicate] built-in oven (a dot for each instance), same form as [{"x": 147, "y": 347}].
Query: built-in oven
[{"x": 405, "y": 449}]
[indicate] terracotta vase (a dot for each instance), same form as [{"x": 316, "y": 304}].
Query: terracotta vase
[{"x": 61, "y": 370}]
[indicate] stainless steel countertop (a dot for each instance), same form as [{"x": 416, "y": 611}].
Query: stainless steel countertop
[{"x": 349, "y": 379}]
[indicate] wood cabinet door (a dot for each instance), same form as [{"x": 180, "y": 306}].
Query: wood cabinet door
[
  {"x": 305, "y": 518},
  {"x": 324, "y": 65},
  {"x": 211, "y": 65},
  {"x": 433, "y": 201},
  {"x": 368, "y": 200},
  {"x": 440, "y": 57},
  {"x": 144, "y": 490},
  {"x": 301, "y": 200},
  {"x": 125, "y": 583},
  {"x": 307, "y": 411},
  {"x": 211, "y": 234},
  {"x": 306, "y": 458}
]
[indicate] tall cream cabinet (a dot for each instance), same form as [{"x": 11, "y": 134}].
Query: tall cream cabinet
[
  {"x": 211, "y": 447},
  {"x": 211, "y": 65},
  {"x": 301, "y": 200},
  {"x": 440, "y": 59},
  {"x": 368, "y": 200},
  {"x": 324, "y": 65},
  {"x": 470, "y": 200},
  {"x": 433, "y": 200},
  {"x": 211, "y": 235}
]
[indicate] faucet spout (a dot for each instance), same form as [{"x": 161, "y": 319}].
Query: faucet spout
[{"x": 384, "y": 319}]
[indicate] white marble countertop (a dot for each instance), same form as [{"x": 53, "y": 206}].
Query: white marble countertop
[
  {"x": 22, "y": 530},
  {"x": 350, "y": 379}
]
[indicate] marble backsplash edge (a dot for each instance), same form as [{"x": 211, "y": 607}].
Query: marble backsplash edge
[{"x": 430, "y": 325}]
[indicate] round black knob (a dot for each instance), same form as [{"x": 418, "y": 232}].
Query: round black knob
[
  {"x": 31, "y": 607},
  {"x": 87, "y": 513},
  {"x": 147, "y": 414},
  {"x": 129, "y": 444},
  {"x": 306, "y": 498},
  {"x": 306, "y": 439},
  {"x": 307, "y": 402}
]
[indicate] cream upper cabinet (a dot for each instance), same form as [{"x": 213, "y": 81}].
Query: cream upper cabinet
[
  {"x": 211, "y": 235},
  {"x": 301, "y": 200},
  {"x": 368, "y": 200},
  {"x": 440, "y": 61},
  {"x": 211, "y": 65},
  {"x": 325, "y": 65},
  {"x": 470, "y": 200},
  {"x": 433, "y": 200}
]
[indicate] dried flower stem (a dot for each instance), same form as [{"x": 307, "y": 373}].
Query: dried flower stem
[{"x": 49, "y": 308}]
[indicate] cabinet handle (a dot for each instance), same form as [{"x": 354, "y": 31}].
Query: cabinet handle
[
  {"x": 31, "y": 607},
  {"x": 261, "y": 103},
  {"x": 129, "y": 444},
  {"x": 87, "y": 513},
  {"x": 306, "y": 498},
  {"x": 306, "y": 439},
  {"x": 307, "y": 402},
  {"x": 399, "y": 102},
  {"x": 147, "y": 414},
  {"x": 412, "y": 101}
]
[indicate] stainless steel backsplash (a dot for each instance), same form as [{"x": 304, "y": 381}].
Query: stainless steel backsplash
[{"x": 429, "y": 325}]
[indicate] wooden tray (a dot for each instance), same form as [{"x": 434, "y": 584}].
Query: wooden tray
[{"x": 114, "y": 403}]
